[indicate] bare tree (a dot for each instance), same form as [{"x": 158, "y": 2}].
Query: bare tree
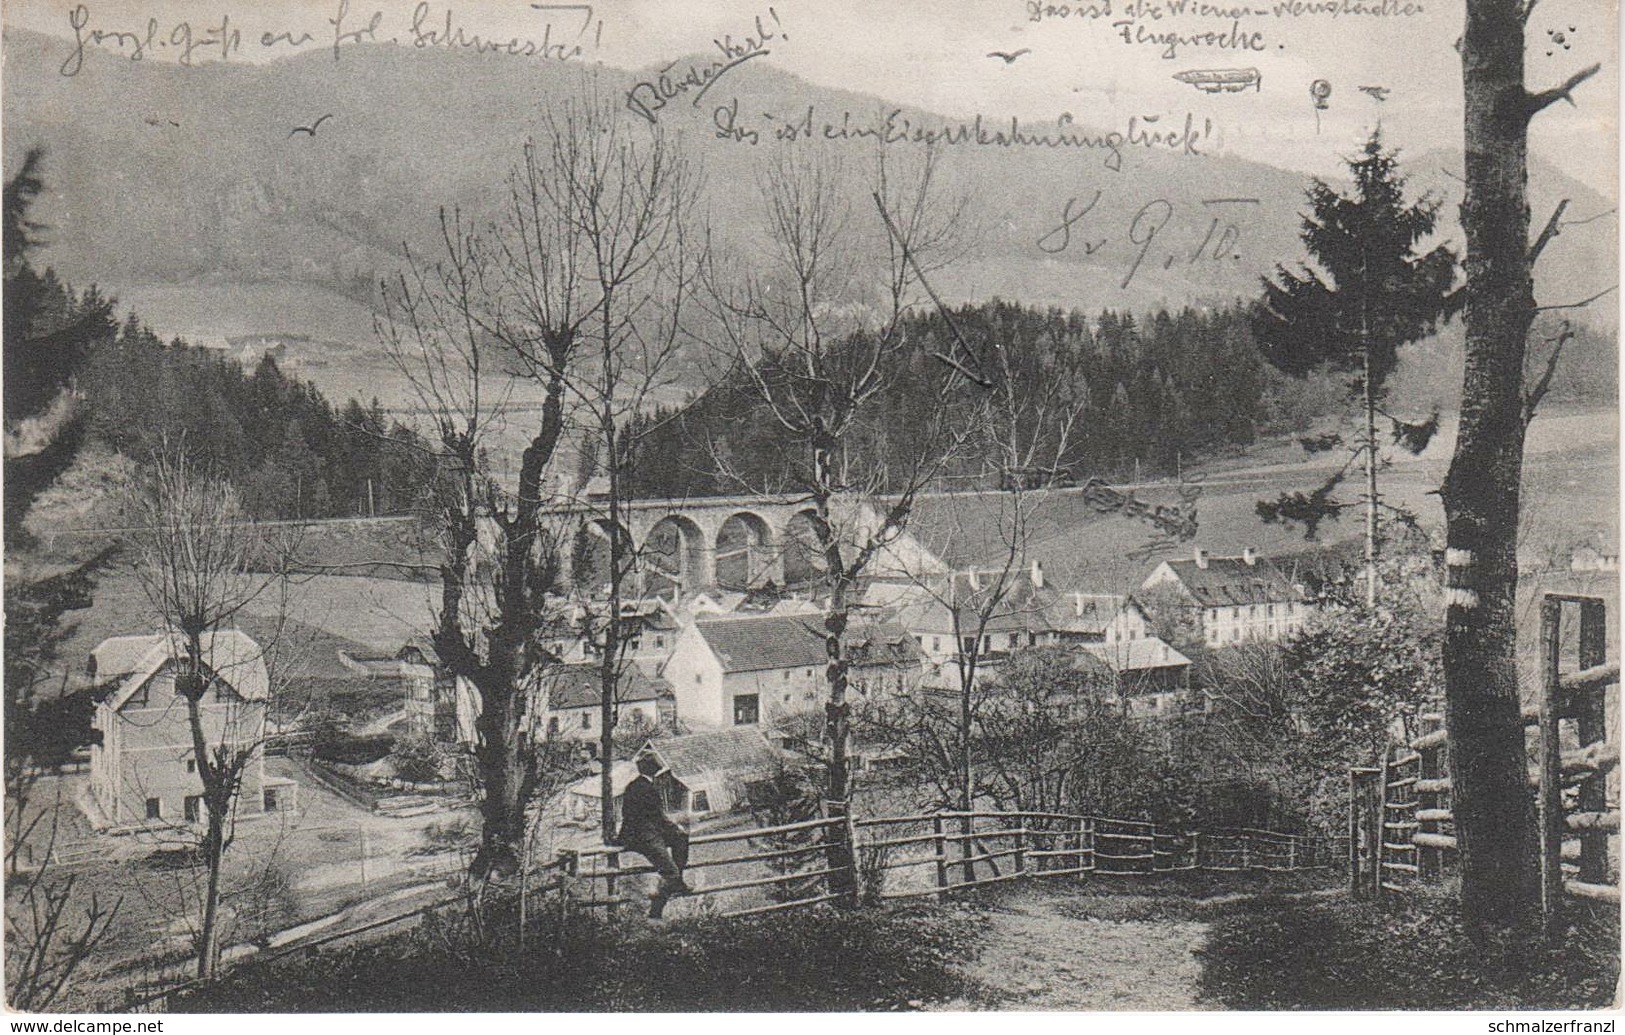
[
  {"x": 50, "y": 931},
  {"x": 498, "y": 556},
  {"x": 604, "y": 230},
  {"x": 195, "y": 561},
  {"x": 1493, "y": 810},
  {"x": 819, "y": 330}
]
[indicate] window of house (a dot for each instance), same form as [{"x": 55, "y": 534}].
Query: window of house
[
  {"x": 270, "y": 799},
  {"x": 586, "y": 720},
  {"x": 1015, "y": 641},
  {"x": 1269, "y": 611},
  {"x": 1235, "y": 634},
  {"x": 699, "y": 677},
  {"x": 553, "y": 726},
  {"x": 747, "y": 710},
  {"x": 1032, "y": 639},
  {"x": 809, "y": 673},
  {"x": 192, "y": 806},
  {"x": 936, "y": 643},
  {"x": 1235, "y": 612},
  {"x": 660, "y": 641},
  {"x": 191, "y": 765},
  {"x": 786, "y": 698},
  {"x": 700, "y": 801},
  {"x": 155, "y": 808}
]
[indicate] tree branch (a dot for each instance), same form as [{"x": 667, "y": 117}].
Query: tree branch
[
  {"x": 1553, "y": 227},
  {"x": 1576, "y": 305},
  {"x": 1535, "y": 103},
  {"x": 1538, "y": 392}
]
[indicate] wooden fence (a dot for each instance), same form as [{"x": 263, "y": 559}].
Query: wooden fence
[
  {"x": 1401, "y": 823},
  {"x": 933, "y": 854}
]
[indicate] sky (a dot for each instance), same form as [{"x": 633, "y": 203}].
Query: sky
[{"x": 934, "y": 54}]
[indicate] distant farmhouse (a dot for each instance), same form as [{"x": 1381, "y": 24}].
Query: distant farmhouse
[
  {"x": 1245, "y": 599},
  {"x": 763, "y": 669},
  {"x": 568, "y": 697},
  {"x": 144, "y": 770}
]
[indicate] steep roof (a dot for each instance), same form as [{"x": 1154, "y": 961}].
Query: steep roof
[
  {"x": 1022, "y": 605},
  {"x": 230, "y": 654},
  {"x": 1085, "y": 613},
  {"x": 874, "y": 644},
  {"x": 1224, "y": 581},
  {"x": 1137, "y": 655},
  {"x": 579, "y": 686},
  {"x": 764, "y": 642},
  {"x": 738, "y": 751}
]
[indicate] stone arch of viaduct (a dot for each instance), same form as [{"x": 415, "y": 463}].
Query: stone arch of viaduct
[{"x": 734, "y": 542}]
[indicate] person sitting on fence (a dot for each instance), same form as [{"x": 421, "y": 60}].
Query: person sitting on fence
[{"x": 646, "y": 830}]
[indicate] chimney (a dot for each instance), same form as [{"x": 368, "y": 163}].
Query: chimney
[
  {"x": 1038, "y": 575},
  {"x": 1077, "y": 605},
  {"x": 1201, "y": 558},
  {"x": 1249, "y": 556}
]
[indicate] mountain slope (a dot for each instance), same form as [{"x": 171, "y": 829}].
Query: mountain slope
[{"x": 228, "y": 196}]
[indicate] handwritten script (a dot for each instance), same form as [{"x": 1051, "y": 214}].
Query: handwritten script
[
  {"x": 647, "y": 98},
  {"x": 563, "y": 32},
  {"x": 1146, "y": 132},
  {"x": 1218, "y": 244}
]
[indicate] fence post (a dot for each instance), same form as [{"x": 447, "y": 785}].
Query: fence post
[
  {"x": 1591, "y": 712},
  {"x": 849, "y": 830},
  {"x": 1196, "y": 849},
  {"x": 942, "y": 853},
  {"x": 967, "y": 868},
  {"x": 1292, "y": 852},
  {"x": 1021, "y": 846},
  {"x": 1354, "y": 833},
  {"x": 1550, "y": 793},
  {"x": 613, "y": 862},
  {"x": 1429, "y": 860}
]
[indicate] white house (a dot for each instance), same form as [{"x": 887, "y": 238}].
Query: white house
[
  {"x": 570, "y": 697},
  {"x": 144, "y": 770},
  {"x": 1236, "y": 599},
  {"x": 748, "y": 670}
]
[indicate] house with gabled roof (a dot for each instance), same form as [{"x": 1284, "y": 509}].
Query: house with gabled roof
[
  {"x": 567, "y": 699},
  {"x": 748, "y": 670},
  {"x": 1245, "y": 599},
  {"x": 144, "y": 769},
  {"x": 710, "y": 772}
]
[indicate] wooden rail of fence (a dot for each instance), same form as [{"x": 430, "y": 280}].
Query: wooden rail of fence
[
  {"x": 1401, "y": 819},
  {"x": 961, "y": 850},
  {"x": 940, "y": 852}
]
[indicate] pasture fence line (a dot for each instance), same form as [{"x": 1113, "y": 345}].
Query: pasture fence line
[
  {"x": 1401, "y": 816},
  {"x": 934, "y": 854}
]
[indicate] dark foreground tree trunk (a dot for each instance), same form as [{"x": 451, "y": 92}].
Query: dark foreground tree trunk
[{"x": 1494, "y": 810}]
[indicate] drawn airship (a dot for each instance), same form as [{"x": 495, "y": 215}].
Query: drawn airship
[{"x": 1222, "y": 80}]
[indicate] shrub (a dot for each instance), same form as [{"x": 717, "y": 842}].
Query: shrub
[
  {"x": 1279, "y": 954},
  {"x": 350, "y": 749}
]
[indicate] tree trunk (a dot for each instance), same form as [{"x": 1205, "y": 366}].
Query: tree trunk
[
  {"x": 1494, "y": 812},
  {"x": 1371, "y": 498},
  {"x": 837, "y": 793},
  {"x": 502, "y": 769},
  {"x": 610, "y": 662}
]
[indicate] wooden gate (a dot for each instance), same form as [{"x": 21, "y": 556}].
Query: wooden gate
[{"x": 1401, "y": 819}]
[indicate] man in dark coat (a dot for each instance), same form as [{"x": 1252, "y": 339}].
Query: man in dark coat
[{"x": 646, "y": 830}]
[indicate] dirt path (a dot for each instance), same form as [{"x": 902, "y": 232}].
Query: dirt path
[{"x": 1041, "y": 958}]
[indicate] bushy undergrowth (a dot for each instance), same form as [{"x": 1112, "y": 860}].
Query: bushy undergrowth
[
  {"x": 1281, "y": 954},
  {"x": 803, "y": 960}
]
